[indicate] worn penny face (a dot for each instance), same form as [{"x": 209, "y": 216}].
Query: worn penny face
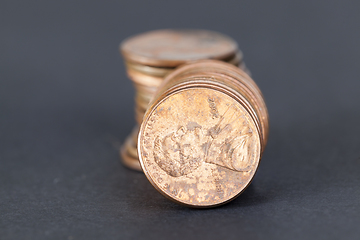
[
  {"x": 199, "y": 147},
  {"x": 170, "y": 48}
]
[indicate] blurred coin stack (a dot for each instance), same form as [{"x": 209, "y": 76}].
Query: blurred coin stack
[{"x": 151, "y": 56}]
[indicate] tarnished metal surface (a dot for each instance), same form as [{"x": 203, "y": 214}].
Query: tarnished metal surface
[
  {"x": 199, "y": 147},
  {"x": 203, "y": 134}
]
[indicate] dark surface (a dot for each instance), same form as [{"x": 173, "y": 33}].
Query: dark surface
[{"x": 66, "y": 106}]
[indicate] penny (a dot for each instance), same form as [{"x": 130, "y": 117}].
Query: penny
[
  {"x": 134, "y": 135},
  {"x": 146, "y": 90},
  {"x": 199, "y": 147},
  {"x": 143, "y": 79},
  {"x": 128, "y": 160},
  {"x": 162, "y": 72},
  {"x": 141, "y": 103},
  {"x": 171, "y": 48},
  {"x": 143, "y": 97},
  {"x": 131, "y": 148},
  {"x": 202, "y": 137},
  {"x": 128, "y": 151},
  {"x": 152, "y": 71},
  {"x": 139, "y": 115}
]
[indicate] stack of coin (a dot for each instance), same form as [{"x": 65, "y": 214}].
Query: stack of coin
[
  {"x": 203, "y": 134},
  {"x": 151, "y": 56}
]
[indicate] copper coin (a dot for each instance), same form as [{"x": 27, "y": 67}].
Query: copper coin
[
  {"x": 139, "y": 115},
  {"x": 144, "y": 79},
  {"x": 128, "y": 151},
  {"x": 171, "y": 48},
  {"x": 140, "y": 103},
  {"x": 152, "y": 71},
  {"x": 144, "y": 90},
  {"x": 162, "y": 72},
  {"x": 131, "y": 149},
  {"x": 199, "y": 147},
  {"x": 128, "y": 160}
]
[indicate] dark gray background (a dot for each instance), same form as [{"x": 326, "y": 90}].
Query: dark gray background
[{"x": 66, "y": 106}]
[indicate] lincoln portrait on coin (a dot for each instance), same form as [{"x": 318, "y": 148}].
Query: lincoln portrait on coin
[{"x": 181, "y": 152}]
